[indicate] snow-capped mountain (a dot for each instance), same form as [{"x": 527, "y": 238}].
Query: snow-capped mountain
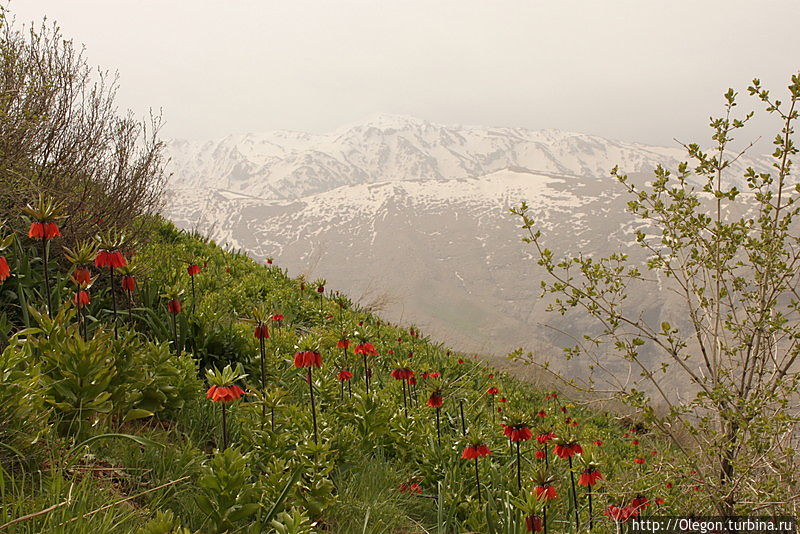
[{"x": 414, "y": 215}]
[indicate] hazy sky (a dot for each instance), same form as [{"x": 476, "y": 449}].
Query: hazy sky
[{"x": 638, "y": 70}]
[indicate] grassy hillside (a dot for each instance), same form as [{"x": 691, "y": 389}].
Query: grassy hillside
[{"x": 118, "y": 435}]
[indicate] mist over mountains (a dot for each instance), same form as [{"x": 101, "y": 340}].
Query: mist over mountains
[{"x": 413, "y": 217}]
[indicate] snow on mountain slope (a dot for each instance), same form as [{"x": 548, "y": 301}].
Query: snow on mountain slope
[
  {"x": 416, "y": 215},
  {"x": 285, "y": 164}
]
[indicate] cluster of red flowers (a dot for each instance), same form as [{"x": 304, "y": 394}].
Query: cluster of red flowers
[
  {"x": 44, "y": 230},
  {"x": 224, "y": 393},
  {"x": 367, "y": 349},
  {"x": 534, "y": 523},
  {"x": 545, "y": 492},
  {"x": 567, "y": 450},
  {"x": 402, "y": 374},
  {"x": 517, "y": 432},
  {"x": 344, "y": 375},
  {"x": 81, "y": 298},
  {"x": 110, "y": 258},
  {"x": 174, "y": 306},
  {"x": 5, "y": 271},
  {"x": 261, "y": 332},
  {"x": 308, "y": 358},
  {"x": 475, "y": 451},
  {"x": 343, "y": 344},
  {"x": 434, "y": 374},
  {"x": 589, "y": 477},
  {"x": 492, "y": 391},
  {"x": 435, "y": 400}
]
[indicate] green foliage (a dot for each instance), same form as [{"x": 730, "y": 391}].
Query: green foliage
[{"x": 230, "y": 497}]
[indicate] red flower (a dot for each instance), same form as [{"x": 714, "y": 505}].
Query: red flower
[
  {"x": 412, "y": 381},
  {"x": 502, "y": 399},
  {"x": 534, "y": 523},
  {"x": 635, "y": 442},
  {"x": 308, "y": 358},
  {"x": 492, "y": 391},
  {"x": 544, "y": 437},
  {"x": 321, "y": 289},
  {"x": 567, "y": 450},
  {"x": 224, "y": 393},
  {"x": 620, "y": 514},
  {"x": 639, "y": 502},
  {"x": 81, "y": 276},
  {"x": 639, "y": 461},
  {"x": 277, "y": 317},
  {"x": 434, "y": 374},
  {"x": 44, "y": 230},
  {"x": 475, "y": 451},
  {"x": 435, "y": 400},
  {"x": 367, "y": 349},
  {"x": 81, "y": 298},
  {"x": 413, "y": 487},
  {"x": 541, "y": 413},
  {"x": 545, "y": 493},
  {"x": 402, "y": 374},
  {"x": 491, "y": 375},
  {"x": 269, "y": 261},
  {"x": 660, "y": 501},
  {"x": 460, "y": 360},
  {"x": 5, "y": 271},
  {"x": 597, "y": 443},
  {"x": 343, "y": 344},
  {"x": 113, "y": 259},
  {"x": 518, "y": 433},
  {"x": 128, "y": 283},
  {"x": 174, "y": 306},
  {"x": 344, "y": 375},
  {"x": 668, "y": 485},
  {"x": 540, "y": 454},
  {"x": 589, "y": 477},
  {"x": 193, "y": 269},
  {"x": 261, "y": 332}
]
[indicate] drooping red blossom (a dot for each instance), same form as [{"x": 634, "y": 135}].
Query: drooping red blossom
[
  {"x": 321, "y": 289},
  {"x": 277, "y": 317},
  {"x": 108, "y": 258},
  {"x": 307, "y": 358},
  {"x": 460, "y": 360},
  {"x": 534, "y": 523},
  {"x": 597, "y": 443},
  {"x": 412, "y": 487},
  {"x": 5, "y": 270},
  {"x": 475, "y": 451},
  {"x": 540, "y": 454},
  {"x": 589, "y": 477},
  {"x": 639, "y": 502},
  {"x": 634, "y": 442},
  {"x": 492, "y": 391},
  {"x": 367, "y": 349},
  {"x": 44, "y": 230},
  {"x": 668, "y": 485},
  {"x": 491, "y": 375},
  {"x": 174, "y": 306},
  {"x": 639, "y": 461},
  {"x": 660, "y": 501},
  {"x": 343, "y": 344},
  {"x": 224, "y": 393},
  {"x": 502, "y": 399},
  {"x": 412, "y": 381},
  {"x": 435, "y": 400},
  {"x": 261, "y": 332},
  {"x": 402, "y": 374},
  {"x": 128, "y": 283},
  {"x": 541, "y": 413},
  {"x": 269, "y": 261},
  {"x": 517, "y": 432},
  {"x": 567, "y": 450},
  {"x": 344, "y": 375},
  {"x": 193, "y": 269},
  {"x": 545, "y": 492},
  {"x": 620, "y": 514},
  {"x": 435, "y": 374},
  {"x": 81, "y": 298},
  {"x": 544, "y": 437},
  {"x": 82, "y": 276}
]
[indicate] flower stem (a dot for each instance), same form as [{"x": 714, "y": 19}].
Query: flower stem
[
  {"x": 463, "y": 421},
  {"x": 113, "y": 301},
  {"x": 591, "y": 519},
  {"x": 405, "y": 402},
  {"x": 224, "y": 427},
  {"x": 313, "y": 406},
  {"x": 519, "y": 469},
  {"x": 438, "y": 427},
  {"x": 574, "y": 496},
  {"x": 46, "y": 260},
  {"x": 478, "y": 480}
]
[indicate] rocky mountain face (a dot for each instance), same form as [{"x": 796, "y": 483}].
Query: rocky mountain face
[{"x": 413, "y": 217}]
